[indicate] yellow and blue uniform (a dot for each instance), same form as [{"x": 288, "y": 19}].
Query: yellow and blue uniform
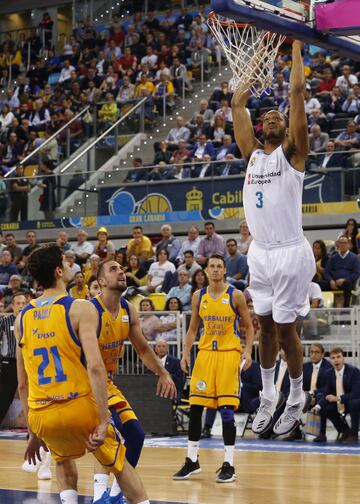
[
  {"x": 62, "y": 409},
  {"x": 112, "y": 332},
  {"x": 215, "y": 377}
]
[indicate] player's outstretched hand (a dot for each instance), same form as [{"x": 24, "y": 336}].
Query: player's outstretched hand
[
  {"x": 32, "y": 453},
  {"x": 97, "y": 437},
  {"x": 166, "y": 387},
  {"x": 240, "y": 97},
  {"x": 185, "y": 363}
]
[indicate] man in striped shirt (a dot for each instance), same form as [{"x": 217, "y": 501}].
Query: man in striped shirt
[{"x": 8, "y": 375}]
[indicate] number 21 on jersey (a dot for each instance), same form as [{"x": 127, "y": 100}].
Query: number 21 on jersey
[
  {"x": 260, "y": 201},
  {"x": 60, "y": 376}
]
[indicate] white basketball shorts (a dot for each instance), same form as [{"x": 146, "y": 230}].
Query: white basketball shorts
[{"x": 280, "y": 279}]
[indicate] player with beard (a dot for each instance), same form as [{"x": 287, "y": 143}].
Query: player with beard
[
  {"x": 118, "y": 321},
  {"x": 280, "y": 259}
]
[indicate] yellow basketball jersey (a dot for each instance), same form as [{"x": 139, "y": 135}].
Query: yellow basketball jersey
[
  {"x": 52, "y": 352},
  {"x": 112, "y": 332},
  {"x": 221, "y": 321}
]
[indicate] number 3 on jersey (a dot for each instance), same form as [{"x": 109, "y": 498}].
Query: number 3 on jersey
[
  {"x": 44, "y": 353},
  {"x": 260, "y": 202}
]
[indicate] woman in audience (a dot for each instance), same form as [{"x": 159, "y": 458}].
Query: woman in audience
[
  {"x": 149, "y": 322},
  {"x": 199, "y": 281},
  {"x": 136, "y": 275},
  {"x": 245, "y": 238},
  {"x": 168, "y": 327},
  {"x": 93, "y": 287},
  {"x": 321, "y": 258},
  {"x": 6, "y": 118},
  {"x": 218, "y": 130},
  {"x": 120, "y": 258},
  {"x": 91, "y": 268},
  {"x": 351, "y": 231}
]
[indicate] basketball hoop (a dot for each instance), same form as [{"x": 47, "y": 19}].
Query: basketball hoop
[{"x": 250, "y": 52}]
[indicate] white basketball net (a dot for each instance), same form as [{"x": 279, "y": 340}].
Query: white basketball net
[{"x": 250, "y": 52}]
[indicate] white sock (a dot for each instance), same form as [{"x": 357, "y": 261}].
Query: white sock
[
  {"x": 193, "y": 450},
  {"x": 100, "y": 485},
  {"x": 267, "y": 377},
  {"x": 115, "y": 489},
  {"x": 296, "y": 390},
  {"x": 144, "y": 502},
  {"x": 69, "y": 497},
  {"x": 229, "y": 454}
]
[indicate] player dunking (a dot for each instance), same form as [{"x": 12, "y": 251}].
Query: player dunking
[
  {"x": 66, "y": 404},
  {"x": 280, "y": 259},
  {"x": 216, "y": 374},
  {"x": 119, "y": 321}
]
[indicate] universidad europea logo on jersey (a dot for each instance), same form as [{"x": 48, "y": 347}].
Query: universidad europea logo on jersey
[{"x": 249, "y": 177}]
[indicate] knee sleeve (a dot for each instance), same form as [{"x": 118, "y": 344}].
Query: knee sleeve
[
  {"x": 227, "y": 414},
  {"x": 195, "y": 422},
  {"x": 228, "y": 424},
  {"x": 134, "y": 436}
]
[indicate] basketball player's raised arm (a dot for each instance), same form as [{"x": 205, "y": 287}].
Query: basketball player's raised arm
[
  {"x": 86, "y": 321},
  {"x": 243, "y": 128},
  {"x": 192, "y": 332},
  {"x": 298, "y": 127},
  {"x": 32, "y": 453},
  {"x": 165, "y": 387},
  {"x": 243, "y": 311}
]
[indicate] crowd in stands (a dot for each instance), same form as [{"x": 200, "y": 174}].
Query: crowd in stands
[
  {"x": 108, "y": 68},
  {"x": 111, "y": 65}
]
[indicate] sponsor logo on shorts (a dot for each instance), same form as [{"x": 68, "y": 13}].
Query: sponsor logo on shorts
[{"x": 201, "y": 385}]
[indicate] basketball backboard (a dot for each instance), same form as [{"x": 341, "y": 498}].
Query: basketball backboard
[{"x": 293, "y": 18}]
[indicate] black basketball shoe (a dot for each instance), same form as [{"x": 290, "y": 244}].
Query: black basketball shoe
[
  {"x": 187, "y": 469},
  {"x": 226, "y": 473}
]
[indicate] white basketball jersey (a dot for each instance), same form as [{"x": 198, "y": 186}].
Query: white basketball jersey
[{"x": 272, "y": 198}]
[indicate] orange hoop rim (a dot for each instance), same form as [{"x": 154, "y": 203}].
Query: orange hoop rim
[{"x": 212, "y": 17}]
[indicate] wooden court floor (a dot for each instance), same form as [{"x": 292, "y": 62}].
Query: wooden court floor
[{"x": 262, "y": 478}]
